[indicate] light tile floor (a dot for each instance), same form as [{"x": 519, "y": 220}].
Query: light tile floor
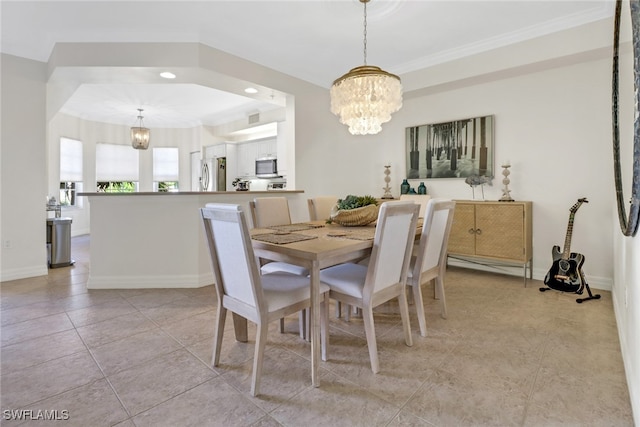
[{"x": 507, "y": 355}]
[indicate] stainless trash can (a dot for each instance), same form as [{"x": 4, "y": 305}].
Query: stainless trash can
[{"x": 59, "y": 242}]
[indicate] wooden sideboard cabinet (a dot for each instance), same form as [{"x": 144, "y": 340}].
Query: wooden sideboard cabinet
[{"x": 493, "y": 232}]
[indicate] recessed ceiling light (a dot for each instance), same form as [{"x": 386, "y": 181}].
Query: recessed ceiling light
[
  {"x": 167, "y": 75},
  {"x": 251, "y": 90}
]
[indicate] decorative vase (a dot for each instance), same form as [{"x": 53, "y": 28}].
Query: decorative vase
[
  {"x": 422, "y": 189},
  {"x": 404, "y": 187}
]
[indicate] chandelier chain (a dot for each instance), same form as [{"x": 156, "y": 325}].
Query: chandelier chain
[{"x": 365, "y": 33}]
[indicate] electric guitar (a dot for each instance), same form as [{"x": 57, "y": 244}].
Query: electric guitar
[{"x": 566, "y": 272}]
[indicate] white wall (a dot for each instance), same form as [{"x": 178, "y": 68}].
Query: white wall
[
  {"x": 626, "y": 301},
  {"x": 626, "y": 254},
  {"x": 24, "y": 181},
  {"x": 554, "y": 126}
]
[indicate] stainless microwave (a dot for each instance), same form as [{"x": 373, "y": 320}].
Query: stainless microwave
[{"x": 267, "y": 167}]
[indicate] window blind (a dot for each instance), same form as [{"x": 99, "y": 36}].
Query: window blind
[
  {"x": 70, "y": 160},
  {"x": 165, "y": 164},
  {"x": 116, "y": 163}
]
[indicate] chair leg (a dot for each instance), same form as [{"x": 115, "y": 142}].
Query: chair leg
[
  {"x": 261, "y": 341},
  {"x": 439, "y": 285},
  {"x": 404, "y": 314},
  {"x": 221, "y": 316},
  {"x": 370, "y": 333},
  {"x": 324, "y": 325},
  {"x": 417, "y": 299},
  {"x": 351, "y": 311},
  {"x": 338, "y": 309},
  {"x": 410, "y": 297},
  {"x": 302, "y": 323}
]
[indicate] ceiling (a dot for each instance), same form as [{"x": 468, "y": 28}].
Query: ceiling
[{"x": 314, "y": 40}]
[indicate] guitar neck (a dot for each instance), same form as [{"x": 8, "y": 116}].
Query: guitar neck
[{"x": 567, "y": 240}]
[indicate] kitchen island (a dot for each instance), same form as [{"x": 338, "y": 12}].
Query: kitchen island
[{"x": 156, "y": 240}]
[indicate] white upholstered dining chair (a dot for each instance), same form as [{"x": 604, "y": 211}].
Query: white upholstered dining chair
[
  {"x": 271, "y": 211},
  {"x": 320, "y": 207},
  {"x": 267, "y": 212},
  {"x": 260, "y": 298},
  {"x": 421, "y": 199},
  {"x": 430, "y": 260},
  {"x": 366, "y": 287}
]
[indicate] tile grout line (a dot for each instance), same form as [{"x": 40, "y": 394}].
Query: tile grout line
[
  {"x": 534, "y": 382},
  {"x": 113, "y": 389}
]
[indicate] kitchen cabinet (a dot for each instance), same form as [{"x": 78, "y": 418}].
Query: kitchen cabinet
[
  {"x": 246, "y": 165},
  {"x": 248, "y": 152},
  {"x": 267, "y": 148},
  {"x": 213, "y": 151},
  {"x": 281, "y": 150},
  {"x": 493, "y": 232}
]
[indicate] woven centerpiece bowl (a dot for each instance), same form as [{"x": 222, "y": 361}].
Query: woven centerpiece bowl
[{"x": 354, "y": 217}]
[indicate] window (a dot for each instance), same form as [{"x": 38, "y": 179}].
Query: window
[
  {"x": 165, "y": 168},
  {"x": 70, "y": 171},
  {"x": 116, "y": 168},
  {"x": 116, "y": 187}
]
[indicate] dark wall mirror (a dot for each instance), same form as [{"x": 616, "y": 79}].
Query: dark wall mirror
[{"x": 625, "y": 110}]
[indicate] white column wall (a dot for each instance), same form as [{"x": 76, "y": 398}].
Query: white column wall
[
  {"x": 157, "y": 240},
  {"x": 23, "y": 182}
]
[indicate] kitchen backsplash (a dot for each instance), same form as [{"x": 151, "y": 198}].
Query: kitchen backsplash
[{"x": 259, "y": 184}]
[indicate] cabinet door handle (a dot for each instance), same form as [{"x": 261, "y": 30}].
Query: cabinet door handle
[
  {"x": 472, "y": 231},
  {"x": 478, "y": 231}
]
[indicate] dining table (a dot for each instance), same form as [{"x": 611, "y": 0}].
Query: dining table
[{"x": 314, "y": 245}]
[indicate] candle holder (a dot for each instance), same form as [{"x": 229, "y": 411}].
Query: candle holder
[
  {"x": 387, "y": 180},
  {"x": 506, "y": 193}
]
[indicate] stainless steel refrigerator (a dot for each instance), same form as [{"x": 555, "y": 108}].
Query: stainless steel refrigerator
[{"x": 213, "y": 174}]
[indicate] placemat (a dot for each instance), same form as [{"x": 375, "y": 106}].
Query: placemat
[
  {"x": 361, "y": 235},
  {"x": 354, "y": 235},
  {"x": 282, "y": 239},
  {"x": 295, "y": 227}
]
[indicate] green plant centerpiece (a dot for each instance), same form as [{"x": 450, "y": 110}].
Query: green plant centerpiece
[{"x": 355, "y": 210}]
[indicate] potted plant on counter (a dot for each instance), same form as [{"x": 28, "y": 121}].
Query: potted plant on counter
[{"x": 355, "y": 210}]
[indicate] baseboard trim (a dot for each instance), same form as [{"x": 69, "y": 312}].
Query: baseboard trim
[
  {"x": 23, "y": 273},
  {"x": 149, "y": 282},
  {"x": 595, "y": 282}
]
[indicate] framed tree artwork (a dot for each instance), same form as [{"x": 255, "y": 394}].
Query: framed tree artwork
[{"x": 457, "y": 149}]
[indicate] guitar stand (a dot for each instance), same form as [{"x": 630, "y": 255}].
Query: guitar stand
[
  {"x": 579, "y": 291},
  {"x": 591, "y": 296}
]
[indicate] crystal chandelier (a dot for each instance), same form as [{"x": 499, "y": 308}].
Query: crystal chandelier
[
  {"x": 140, "y": 135},
  {"x": 366, "y": 96}
]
